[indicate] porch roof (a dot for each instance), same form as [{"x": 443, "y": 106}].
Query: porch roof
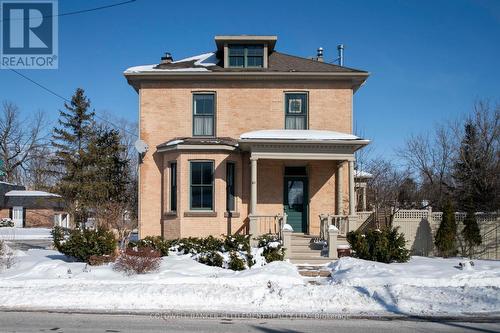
[{"x": 301, "y": 144}]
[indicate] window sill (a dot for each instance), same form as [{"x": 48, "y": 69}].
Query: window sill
[
  {"x": 233, "y": 214},
  {"x": 200, "y": 214},
  {"x": 170, "y": 214}
]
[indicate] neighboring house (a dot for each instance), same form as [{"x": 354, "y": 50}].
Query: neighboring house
[
  {"x": 243, "y": 135},
  {"x": 31, "y": 208}
]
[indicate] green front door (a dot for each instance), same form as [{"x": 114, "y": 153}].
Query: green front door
[{"x": 296, "y": 202}]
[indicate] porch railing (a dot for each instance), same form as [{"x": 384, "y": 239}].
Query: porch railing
[
  {"x": 339, "y": 221},
  {"x": 269, "y": 224}
]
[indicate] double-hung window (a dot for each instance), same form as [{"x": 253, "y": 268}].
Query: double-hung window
[
  {"x": 230, "y": 181},
  {"x": 296, "y": 111},
  {"x": 173, "y": 187},
  {"x": 246, "y": 55},
  {"x": 203, "y": 114},
  {"x": 202, "y": 185}
]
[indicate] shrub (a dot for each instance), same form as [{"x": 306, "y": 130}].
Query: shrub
[
  {"x": 7, "y": 259},
  {"x": 95, "y": 260},
  {"x": 210, "y": 258},
  {"x": 82, "y": 244},
  {"x": 138, "y": 260},
  {"x": 235, "y": 262},
  {"x": 6, "y": 222},
  {"x": 386, "y": 245},
  {"x": 273, "y": 247},
  {"x": 155, "y": 242},
  {"x": 446, "y": 234}
]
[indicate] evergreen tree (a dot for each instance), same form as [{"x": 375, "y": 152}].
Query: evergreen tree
[
  {"x": 70, "y": 141},
  {"x": 445, "y": 239},
  {"x": 108, "y": 168},
  {"x": 471, "y": 233},
  {"x": 474, "y": 186}
]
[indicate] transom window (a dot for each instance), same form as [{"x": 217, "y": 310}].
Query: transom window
[
  {"x": 203, "y": 114},
  {"x": 295, "y": 111},
  {"x": 246, "y": 55},
  {"x": 202, "y": 185}
]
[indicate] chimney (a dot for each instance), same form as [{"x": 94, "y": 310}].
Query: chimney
[
  {"x": 340, "y": 48},
  {"x": 166, "y": 59},
  {"x": 320, "y": 54}
]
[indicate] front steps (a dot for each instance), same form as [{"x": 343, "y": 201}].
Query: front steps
[{"x": 307, "y": 251}]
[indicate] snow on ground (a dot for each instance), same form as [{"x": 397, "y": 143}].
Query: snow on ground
[
  {"x": 8, "y": 233},
  {"x": 45, "y": 279}
]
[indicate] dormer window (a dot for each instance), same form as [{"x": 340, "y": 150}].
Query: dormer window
[{"x": 246, "y": 55}]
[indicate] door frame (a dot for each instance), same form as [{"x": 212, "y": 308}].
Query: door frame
[{"x": 305, "y": 213}]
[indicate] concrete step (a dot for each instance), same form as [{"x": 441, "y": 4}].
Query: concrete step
[
  {"x": 315, "y": 273},
  {"x": 310, "y": 260},
  {"x": 306, "y": 247},
  {"x": 307, "y": 254}
]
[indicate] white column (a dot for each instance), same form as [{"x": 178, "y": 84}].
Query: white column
[
  {"x": 364, "y": 198},
  {"x": 253, "y": 187},
  {"x": 352, "y": 203},
  {"x": 338, "y": 189}
]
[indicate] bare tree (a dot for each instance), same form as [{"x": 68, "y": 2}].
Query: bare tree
[
  {"x": 429, "y": 159},
  {"x": 20, "y": 139},
  {"x": 385, "y": 185}
]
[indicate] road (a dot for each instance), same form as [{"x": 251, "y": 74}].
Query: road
[{"x": 60, "y": 322}]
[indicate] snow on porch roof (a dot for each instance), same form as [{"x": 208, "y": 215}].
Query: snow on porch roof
[
  {"x": 30, "y": 194},
  {"x": 313, "y": 135}
]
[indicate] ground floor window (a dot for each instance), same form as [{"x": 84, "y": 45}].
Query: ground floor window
[
  {"x": 173, "y": 187},
  {"x": 201, "y": 192},
  {"x": 230, "y": 173}
]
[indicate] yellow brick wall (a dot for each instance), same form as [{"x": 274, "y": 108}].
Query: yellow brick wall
[{"x": 166, "y": 112}]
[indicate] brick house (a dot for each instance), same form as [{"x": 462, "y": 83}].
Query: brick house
[
  {"x": 240, "y": 137},
  {"x": 28, "y": 209}
]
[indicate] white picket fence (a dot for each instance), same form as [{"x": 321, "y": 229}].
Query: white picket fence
[{"x": 420, "y": 227}]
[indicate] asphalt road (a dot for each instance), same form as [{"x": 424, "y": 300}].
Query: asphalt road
[{"x": 60, "y": 322}]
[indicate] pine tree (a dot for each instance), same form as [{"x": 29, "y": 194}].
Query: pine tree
[
  {"x": 445, "y": 239},
  {"x": 473, "y": 184},
  {"x": 471, "y": 233},
  {"x": 70, "y": 141}
]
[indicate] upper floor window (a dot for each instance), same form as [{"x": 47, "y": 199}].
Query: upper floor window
[
  {"x": 203, "y": 114},
  {"x": 296, "y": 111},
  {"x": 246, "y": 55}
]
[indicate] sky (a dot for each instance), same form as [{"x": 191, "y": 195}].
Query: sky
[{"x": 429, "y": 60}]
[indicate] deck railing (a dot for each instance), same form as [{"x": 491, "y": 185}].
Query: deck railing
[
  {"x": 269, "y": 224},
  {"x": 339, "y": 221}
]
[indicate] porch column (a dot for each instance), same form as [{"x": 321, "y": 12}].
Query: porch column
[
  {"x": 352, "y": 203},
  {"x": 364, "y": 198},
  {"x": 338, "y": 189},
  {"x": 253, "y": 187}
]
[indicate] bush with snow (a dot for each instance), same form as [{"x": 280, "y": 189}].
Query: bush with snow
[
  {"x": 386, "y": 245},
  {"x": 82, "y": 244},
  {"x": 272, "y": 247},
  {"x": 138, "y": 260},
  {"x": 6, "y": 257},
  {"x": 6, "y": 222}
]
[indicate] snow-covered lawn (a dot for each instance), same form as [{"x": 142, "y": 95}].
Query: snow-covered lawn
[
  {"x": 8, "y": 233},
  {"x": 46, "y": 279}
]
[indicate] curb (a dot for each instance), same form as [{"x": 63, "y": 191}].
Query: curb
[{"x": 168, "y": 315}]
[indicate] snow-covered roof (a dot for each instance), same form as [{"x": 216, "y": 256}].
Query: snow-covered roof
[
  {"x": 30, "y": 194},
  {"x": 362, "y": 174},
  {"x": 201, "y": 61},
  {"x": 313, "y": 135}
]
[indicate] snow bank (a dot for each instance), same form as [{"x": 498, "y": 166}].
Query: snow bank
[
  {"x": 13, "y": 233},
  {"x": 419, "y": 271},
  {"x": 45, "y": 279}
]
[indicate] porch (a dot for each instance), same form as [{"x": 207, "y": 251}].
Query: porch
[{"x": 301, "y": 184}]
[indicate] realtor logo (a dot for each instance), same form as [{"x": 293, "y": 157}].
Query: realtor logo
[{"x": 29, "y": 34}]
